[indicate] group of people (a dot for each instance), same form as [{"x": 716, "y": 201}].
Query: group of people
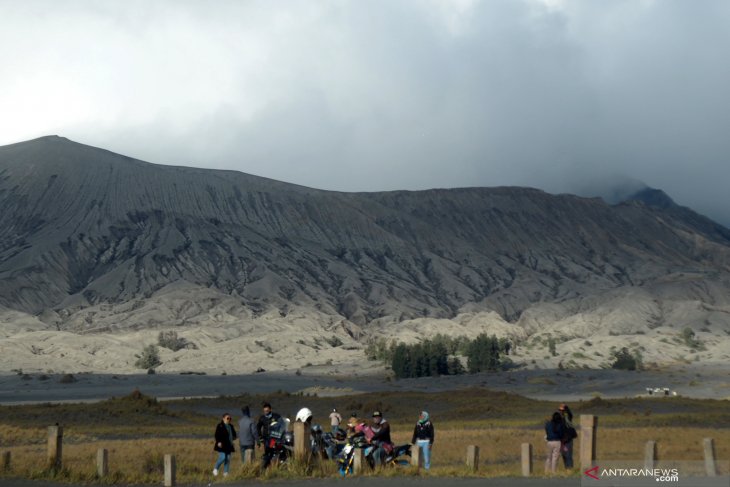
[
  {"x": 559, "y": 434},
  {"x": 267, "y": 430},
  {"x": 252, "y": 434}
]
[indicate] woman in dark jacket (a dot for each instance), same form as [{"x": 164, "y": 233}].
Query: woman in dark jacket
[
  {"x": 569, "y": 434},
  {"x": 423, "y": 436},
  {"x": 554, "y": 432},
  {"x": 225, "y": 435}
]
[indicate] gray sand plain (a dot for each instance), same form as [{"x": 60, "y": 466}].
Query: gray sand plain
[{"x": 696, "y": 380}]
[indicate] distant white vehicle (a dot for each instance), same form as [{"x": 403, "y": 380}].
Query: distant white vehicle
[{"x": 660, "y": 391}]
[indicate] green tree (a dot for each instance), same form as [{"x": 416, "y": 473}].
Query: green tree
[
  {"x": 483, "y": 354},
  {"x": 400, "y": 364},
  {"x": 624, "y": 360},
  {"x": 551, "y": 347},
  {"x": 505, "y": 345},
  {"x": 455, "y": 367},
  {"x": 170, "y": 340},
  {"x": 149, "y": 358},
  {"x": 423, "y": 359},
  {"x": 690, "y": 339}
]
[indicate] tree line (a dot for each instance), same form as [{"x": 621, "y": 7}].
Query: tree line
[{"x": 437, "y": 356}]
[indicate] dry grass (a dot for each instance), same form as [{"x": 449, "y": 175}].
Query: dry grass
[
  {"x": 141, "y": 460},
  {"x": 138, "y": 432}
]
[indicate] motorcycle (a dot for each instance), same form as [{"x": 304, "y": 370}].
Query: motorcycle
[
  {"x": 280, "y": 443},
  {"x": 322, "y": 444},
  {"x": 398, "y": 456}
]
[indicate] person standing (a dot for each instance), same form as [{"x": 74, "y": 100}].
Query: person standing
[
  {"x": 248, "y": 434},
  {"x": 335, "y": 420},
  {"x": 266, "y": 422},
  {"x": 554, "y": 431},
  {"x": 225, "y": 434},
  {"x": 423, "y": 436},
  {"x": 569, "y": 434}
]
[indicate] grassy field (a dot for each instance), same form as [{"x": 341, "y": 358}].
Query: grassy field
[{"x": 138, "y": 430}]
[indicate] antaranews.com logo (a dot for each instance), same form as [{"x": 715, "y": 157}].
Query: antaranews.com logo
[
  {"x": 638, "y": 474},
  {"x": 657, "y": 474}
]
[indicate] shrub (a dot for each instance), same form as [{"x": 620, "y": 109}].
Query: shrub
[
  {"x": 67, "y": 379},
  {"x": 170, "y": 340},
  {"x": 334, "y": 341},
  {"x": 690, "y": 339},
  {"x": 625, "y": 360},
  {"x": 551, "y": 347},
  {"x": 380, "y": 349},
  {"x": 149, "y": 358}
]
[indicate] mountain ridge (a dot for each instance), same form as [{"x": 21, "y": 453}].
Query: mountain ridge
[
  {"x": 144, "y": 200},
  {"x": 93, "y": 240}
]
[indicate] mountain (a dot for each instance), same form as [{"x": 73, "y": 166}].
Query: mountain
[{"x": 95, "y": 241}]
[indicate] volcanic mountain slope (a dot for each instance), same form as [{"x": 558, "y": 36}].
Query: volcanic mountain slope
[{"x": 92, "y": 240}]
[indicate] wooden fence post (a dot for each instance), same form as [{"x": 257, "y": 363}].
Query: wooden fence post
[
  {"x": 416, "y": 458},
  {"x": 6, "y": 461},
  {"x": 102, "y": 462},
  {"x": 526, "y": 459},
  {"x": 358, "y": 461},
  {"x": 650, "y": 455},
  {"x": 55, "y": 446},
  {"x": 588, "y": 429},
  {"x": 302, "y": 451},
  {"x": 710, "y": 465},
  {"x": 472, "y": 457},
  {"x": 170, "y": 471}
]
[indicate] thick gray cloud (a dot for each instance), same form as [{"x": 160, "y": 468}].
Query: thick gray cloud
[{"x": 564, "y": 95}]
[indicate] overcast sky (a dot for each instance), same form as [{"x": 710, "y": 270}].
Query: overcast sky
[{"x": 567, "y": 96}]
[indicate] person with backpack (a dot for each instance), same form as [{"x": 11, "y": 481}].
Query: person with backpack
[
  {"x": 225, "y": 434},
  {"x": 423, "y": 436},
  {"x": 554, "y": 431},
  {"x": 569, "y": 434}
]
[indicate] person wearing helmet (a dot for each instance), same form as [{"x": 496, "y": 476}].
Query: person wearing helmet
[{"x": 263, "y": 427}]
